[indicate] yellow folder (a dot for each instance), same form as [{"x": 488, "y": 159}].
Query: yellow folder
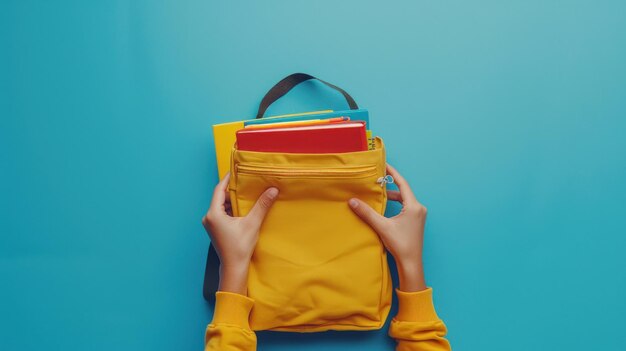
[{"x": 224, "y": 136}]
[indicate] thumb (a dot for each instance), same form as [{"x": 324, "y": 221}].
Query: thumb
[
  {"x": 262, "y": 206},
  {"x": 368, "y": 214}
]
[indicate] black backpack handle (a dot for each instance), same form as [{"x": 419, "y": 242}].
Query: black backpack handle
[{"x": 286, "y": 84}]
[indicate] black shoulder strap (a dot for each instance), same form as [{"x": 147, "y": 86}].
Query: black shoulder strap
[
  {"x": 211, "y": 275},
  {"x": 286, "y": 84}
]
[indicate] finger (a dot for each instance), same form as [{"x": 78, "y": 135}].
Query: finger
[
  {"x": 262, "y": 206},
  {"x": 394, "y": 195},
  {"x": 226, "y": 206},
  {"x": 403, "y": 185},
  {"x": 219, "y": 194},
  {"x": 368, "y": 214}
]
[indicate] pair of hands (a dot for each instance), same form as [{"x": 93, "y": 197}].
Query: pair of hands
[{"x": 235, "y": 238}]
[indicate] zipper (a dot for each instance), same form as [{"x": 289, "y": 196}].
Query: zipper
[
  {"x": 353, "y": 172},
  {"x": 388, "y": 179}
]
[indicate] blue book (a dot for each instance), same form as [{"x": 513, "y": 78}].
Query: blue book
[{"x": 355, "y": 115}]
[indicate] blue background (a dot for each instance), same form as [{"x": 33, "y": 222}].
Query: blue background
[{"x": 507, "y": 117}]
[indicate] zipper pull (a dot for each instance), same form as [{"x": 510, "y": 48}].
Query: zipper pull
[{"x": 388, "y": 179}]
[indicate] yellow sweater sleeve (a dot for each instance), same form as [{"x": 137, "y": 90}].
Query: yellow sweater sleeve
[
  {"x": 229, "y": 330},
  {"x": 417, "y": 327}
]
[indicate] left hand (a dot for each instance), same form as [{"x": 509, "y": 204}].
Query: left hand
[{"x": 234, "y": 238}]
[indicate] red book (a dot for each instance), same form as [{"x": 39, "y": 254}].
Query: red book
[{"x": 315, "y": 139}]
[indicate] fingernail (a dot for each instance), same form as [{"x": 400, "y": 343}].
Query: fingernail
[
  {"x": 353, "y": 203},
  {"x": 272, "y": 193}
]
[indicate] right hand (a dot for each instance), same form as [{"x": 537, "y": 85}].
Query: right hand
[{"x": 403, "y": 234}]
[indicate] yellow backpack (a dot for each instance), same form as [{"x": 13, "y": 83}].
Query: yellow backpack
[{"x": 316, "y": 266}]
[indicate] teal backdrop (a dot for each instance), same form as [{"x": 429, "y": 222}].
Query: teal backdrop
[{"x": 508, "y": 118}]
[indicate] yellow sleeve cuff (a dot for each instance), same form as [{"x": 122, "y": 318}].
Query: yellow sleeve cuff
[
  {"x": 233, "y": 309},
  {"x": 416, "y": 306}
]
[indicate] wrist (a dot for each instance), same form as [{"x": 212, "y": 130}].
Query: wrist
[
  {"x": 411, "y": 275},
  {"x": 234, "y": 278}
]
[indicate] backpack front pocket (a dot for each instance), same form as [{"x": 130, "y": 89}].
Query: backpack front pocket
[{"x": 316, "y": 265}]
